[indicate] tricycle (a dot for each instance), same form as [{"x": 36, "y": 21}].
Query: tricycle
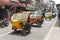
[
  {"x": 20, "y": 21},
  {"x": 48, "y": 15},
  {"x": 53, "y": 15},
  {"x": 36, "y": 18}
]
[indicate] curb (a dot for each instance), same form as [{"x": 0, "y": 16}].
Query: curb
[{"x": 48, "y": 34}]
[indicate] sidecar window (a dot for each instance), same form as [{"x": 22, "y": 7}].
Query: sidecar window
[
  {"x": 16, "y": 17},
  {"x": 24, "y": 15}
]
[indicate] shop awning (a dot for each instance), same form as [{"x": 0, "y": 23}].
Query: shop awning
[{"x": 8, "y": 2}]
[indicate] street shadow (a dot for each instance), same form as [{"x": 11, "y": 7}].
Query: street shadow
[
  {"x": 18, "y": 33},
  {"x": 57, "y": 23},
  {"x": 3, "y": 26},
  {"x": 48, "y": 20},
  {"x": 37, "y": 26}
]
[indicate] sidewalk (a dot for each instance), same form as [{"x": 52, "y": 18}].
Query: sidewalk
[{"x": 55, "y": 35}]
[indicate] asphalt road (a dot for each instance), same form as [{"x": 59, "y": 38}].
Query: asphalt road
[{"x": 7, "y": 33}]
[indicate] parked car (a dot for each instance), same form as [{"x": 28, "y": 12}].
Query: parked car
[{"x": 21, "y": 21}]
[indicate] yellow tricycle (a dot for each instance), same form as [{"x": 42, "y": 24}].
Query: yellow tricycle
[{"x": 20, "y": 21}]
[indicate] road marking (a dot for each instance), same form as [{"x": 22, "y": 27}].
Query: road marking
[
  {"x": 5, "y": 34},
  {"x": 48, "y": 34}
]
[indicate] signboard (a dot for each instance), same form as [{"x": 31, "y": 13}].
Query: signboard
[
  {"x": 4, "y": 1},
  {"x": 15, "y": 0},
  {"x": 30, "y": 7}
]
